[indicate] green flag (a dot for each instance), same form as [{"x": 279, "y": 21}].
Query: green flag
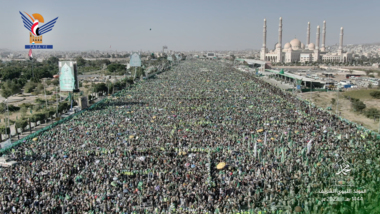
[
  {"x": 139, "y": 186},
  {"x": 283, "y": 155}
]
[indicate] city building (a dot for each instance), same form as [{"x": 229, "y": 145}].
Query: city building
[{"x": 296, "y": 51}]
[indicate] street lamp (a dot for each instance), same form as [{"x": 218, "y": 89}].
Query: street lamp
[
  {"x": 6, "y": 102},
  {"x": 45, "y": 95},
  {"x": 56, "y": 92},
  {"x": 30, "y": 125}
]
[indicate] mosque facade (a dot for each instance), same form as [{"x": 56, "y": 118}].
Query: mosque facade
[{"x": 296, "y": 51}]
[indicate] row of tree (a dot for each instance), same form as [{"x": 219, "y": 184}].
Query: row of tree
[{"x": 359, "y": 106}]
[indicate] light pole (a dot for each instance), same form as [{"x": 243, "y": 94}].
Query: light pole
[
  {"x": 337, "y": 100},
  {"x": 108, "y": 88},
  {"x": 45, "y": 96},
  {"x": 30, "y": 125},
  {"x": 6, "y": 102},
  {"x": 56, "y": 90}
]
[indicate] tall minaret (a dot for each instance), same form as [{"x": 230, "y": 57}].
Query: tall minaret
[
  {"x": 279, "y": 44},
  {"x": 308, "y": 33},
  {"x": 316, "y": 50},
  {"x": 318, "y": 38},
  {"x": 340, "y": 50},
  {"x": 264, "y": 48},
  {"x": 280, "y": 32},
  {"x": 323, "y": 37}
]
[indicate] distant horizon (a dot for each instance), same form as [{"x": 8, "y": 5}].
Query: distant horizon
[{"x": 186, "y": 26}]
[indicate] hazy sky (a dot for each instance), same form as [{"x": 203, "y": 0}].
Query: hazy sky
[{"x": 187, "y": 25}]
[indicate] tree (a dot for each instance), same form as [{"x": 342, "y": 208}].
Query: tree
[
  {"x": 358, "y": 105},
  {"x": 372, "y": 113},
  {"x": 42, "y": 72},
  {"x": 21, "y": 123},
  {"x": 370, "y": 85},
  {"x": 55, "y": 82},
  {"x": 29, "y": 87},
  {"x": 13, "y": 86},
  {"x": 63, "y": 106},
  {"x": 367, "y": 72},
  {"x": 80, "y": 61},
  {"x": 23, "y": 111},
  {"x": 351, "y": 71},
  {"x": 48, "y": 82},
  {"x": 3, "y": 107},
  {"x": 116, "y": 67},
  {"x": 333, "y": 101},
  {"x": 9, "y": 73},
  {"x": 52, "y": 60},
  {"x": 375, "y": 94},
  {"x": 100, "y": 87}
]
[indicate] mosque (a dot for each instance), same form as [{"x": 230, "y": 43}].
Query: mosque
[{"x": 296, "y": 51}]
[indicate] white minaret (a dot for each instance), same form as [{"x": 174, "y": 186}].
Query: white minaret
[
  {"x": 318, "y": 38},
  {"x": 323, "y": 37},
  {"x": 279, "y": 44},
  {"x": 340, "y": 50},
  {"x": 280, "y": 32},
  {"x": 308, "y": 33},
  {"x": 264, "y": 48},
  {"x": 316, "y": 50}
]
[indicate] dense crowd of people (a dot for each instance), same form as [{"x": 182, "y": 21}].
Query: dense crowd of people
[{"x": 200, "y": 138}]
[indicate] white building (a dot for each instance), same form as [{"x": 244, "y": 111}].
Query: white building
[{"x": 296, "y": 51}]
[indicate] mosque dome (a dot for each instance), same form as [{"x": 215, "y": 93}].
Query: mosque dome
[
  {"x": 278, "y": 46},
  {"x": 275, "y": 45},
  {"x": 287, "y": 46},
  {"x": 296, "y": 44},
  {"x": 311, "y": 46},
  {"x": 302, "y": 46}
]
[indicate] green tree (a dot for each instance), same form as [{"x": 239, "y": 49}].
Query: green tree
[
  {"x": 63, "y": 106},
  {"x": 116, "y": 67},
  {"x": 9, "y": 73},
  {"x": 42, "y": 72},
  {"x": 5, "y": 92},
  {"x": 21, "y": 123},
  {"x": 80, "y": 61},
  {"x": 372, "y": 113},
  {"x": 100, "y": 87},
  {"x": 55, "y": 82},
  {"x": 10, "y": 87},
  {"x": 375, "y": 94},
  {"x": 29, "y": 87},
  {"x": 23, "y": 111},
  {"x": 40, "y": 87},
  {"x": 3, "y": 108},
  {"x": 358, "y": 105},
  {"x": 52, "y": 60},
  {"x": 333, "y": 101},
  {"x": 370, "y": 85}
]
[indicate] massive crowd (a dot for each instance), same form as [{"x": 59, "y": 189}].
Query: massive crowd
[{"x": 155, "y": 148}]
